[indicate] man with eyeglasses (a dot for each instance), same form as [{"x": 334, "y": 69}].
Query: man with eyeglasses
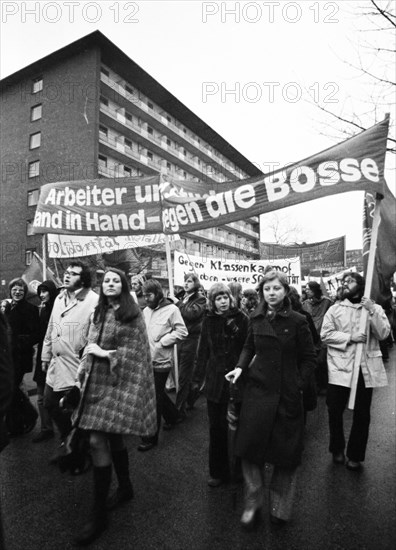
[
  {"x": 65, "y": 340},
  {"x": 341, "y": 333}
]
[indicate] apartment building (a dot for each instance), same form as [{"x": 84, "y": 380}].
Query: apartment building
[{"x": 88, "y": 111}]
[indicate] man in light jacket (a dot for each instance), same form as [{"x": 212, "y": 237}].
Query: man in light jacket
[
  {"x": 65, "y": 340},
  {"x": 340, "y": 332},
  {"x": 165, "y": 327}
]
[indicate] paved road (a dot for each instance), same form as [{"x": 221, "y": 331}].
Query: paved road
[{"x": 174, "y": 509}]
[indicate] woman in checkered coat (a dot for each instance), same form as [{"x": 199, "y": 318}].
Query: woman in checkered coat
[{"x": 119, "y": 397}]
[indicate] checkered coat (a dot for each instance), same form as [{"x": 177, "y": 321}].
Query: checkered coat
[{"x": 120, "y": 394}]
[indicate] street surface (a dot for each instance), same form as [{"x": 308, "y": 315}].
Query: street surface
[{"x": 174, "y": 509}]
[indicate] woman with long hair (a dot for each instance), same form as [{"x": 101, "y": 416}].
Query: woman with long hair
[
  {"x": 278, "y": 359},
  {"x": 118, "y": 394},
  {"x": 223, "y": 334}
]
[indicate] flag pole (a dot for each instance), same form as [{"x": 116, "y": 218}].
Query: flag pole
[
  {"x": 363, "y": 326},
  {"x": 172, "y": 294},
  {"x": 44, "y": 254}
]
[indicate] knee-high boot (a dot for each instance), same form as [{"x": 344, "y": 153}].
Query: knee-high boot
[
  {"x": 124, "y": 491},
  {"x": 98, "y": 522}
]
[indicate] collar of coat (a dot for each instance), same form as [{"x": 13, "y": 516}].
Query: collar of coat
[
  {"x": 163, "y": 303},
  {"x": 345, "y": 302},
  {"x": 230, "y": 313},
  {"x": 262, "y": 308},
  {"x": 80, "y": 295}
]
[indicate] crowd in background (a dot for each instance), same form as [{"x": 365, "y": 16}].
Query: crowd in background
[{"x": 268, "y": 351}]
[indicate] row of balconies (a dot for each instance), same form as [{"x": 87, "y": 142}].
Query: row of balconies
[
  {"x": 116, "y": 115},
  {"x": 204, "y": 148}
]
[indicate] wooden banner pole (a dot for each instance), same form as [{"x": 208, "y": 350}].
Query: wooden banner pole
[
  {"x": 172, "y": 294},
  {"x": 363, "y": 325},
  {"x": 44, "y": 255}
]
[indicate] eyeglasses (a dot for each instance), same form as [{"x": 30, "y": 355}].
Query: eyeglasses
[
  {"x": 348, "y": 281},
  {"x": 72, "y": 273}
]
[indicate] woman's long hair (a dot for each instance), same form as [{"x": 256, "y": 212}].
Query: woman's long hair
[{"x": 128, "y": 309}]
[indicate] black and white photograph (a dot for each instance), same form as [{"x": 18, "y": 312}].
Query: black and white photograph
[{"x": 197, "y": 274}]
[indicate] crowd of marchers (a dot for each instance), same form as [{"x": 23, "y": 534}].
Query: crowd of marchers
[{"x": 260, "y": 357}]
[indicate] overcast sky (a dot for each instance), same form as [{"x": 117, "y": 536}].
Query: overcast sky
[{"x": 271, "y": 54}]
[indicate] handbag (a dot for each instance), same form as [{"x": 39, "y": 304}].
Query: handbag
[{"x": 75, "y": 456}]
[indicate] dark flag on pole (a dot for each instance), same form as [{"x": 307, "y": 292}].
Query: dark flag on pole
[
  {"x": 33, "y": 276},
  {"x": 385, "y": 257}
]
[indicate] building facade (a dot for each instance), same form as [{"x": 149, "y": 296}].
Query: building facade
[{"x": 89, "y": 111}]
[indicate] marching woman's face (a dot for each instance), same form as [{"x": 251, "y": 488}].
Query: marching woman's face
[
  {"x": 274, "y": 293},
  {"x": 222, "y": 303},
  {"x": 111, "y": 285}
]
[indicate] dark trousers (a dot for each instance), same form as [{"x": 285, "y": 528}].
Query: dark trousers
[
  {"x": 218, "y": 440},
  {"x": 165, "y": 405},
  {"x": 337, "y": 400},
  {"x": 58, "y": 415},
  {"x": 186, "y": 354}
]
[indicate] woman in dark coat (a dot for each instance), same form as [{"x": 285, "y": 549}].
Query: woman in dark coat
[
  {"x": 271, "y": 424},
  {"x": 118, "y": 394},
  {"x": 23, "y": 319},
  {"x": 224, "y": 330},
  {"x": 47, "y": 292},
  {"x": 192, "y": 307}
]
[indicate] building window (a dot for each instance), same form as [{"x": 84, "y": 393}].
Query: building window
[
  {"x": 29, "y": 228},
  {"x": 33, "y": 197},
  {"x": 150, "y": 130},
  {"x": 129, "y": 89},
  {"x": 34, "y": 169},
  {"x": 104, "y": 71},
  {"x": 128, "y": 116},
  {"x": 127, "y": 171},
  {"x": 37, "y": 85},
  {"x": 103, "y": 131},
  {"x": 169, "y": 166},
  {"x": 150, "y": 155},
  {"x": 168, "y": 142},
  {"x": 102, "y": 161},
  {"x": 184, "y": 152},
  {"x": 168, "y": 118},
  {"x": 104, "y": 101},
  {"x": 29, "y": 255},
  {"x": 150, "y": 105},
  {"x": 35, "y": 140},
  {"x": 128, "y": 143},
  {"x": 36, "y": 112}
]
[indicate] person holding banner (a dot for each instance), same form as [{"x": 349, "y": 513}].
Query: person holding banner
[
  {"x": 224, "y": 330},
  {"x": 340, "y": 332},
  {"x": 118, "y": 394},
  {"x": 278, "y": 360}
]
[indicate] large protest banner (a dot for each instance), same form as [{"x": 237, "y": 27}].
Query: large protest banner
[
  {"x": 126, "y": 206},
  {"x": 329, "y": 254},
  {"x": 246, "y": 272}
]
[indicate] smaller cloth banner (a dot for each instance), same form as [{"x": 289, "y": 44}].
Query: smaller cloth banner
[
  {"x": 246, "y": 272},
  {"x": 72, "y": 246}
]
